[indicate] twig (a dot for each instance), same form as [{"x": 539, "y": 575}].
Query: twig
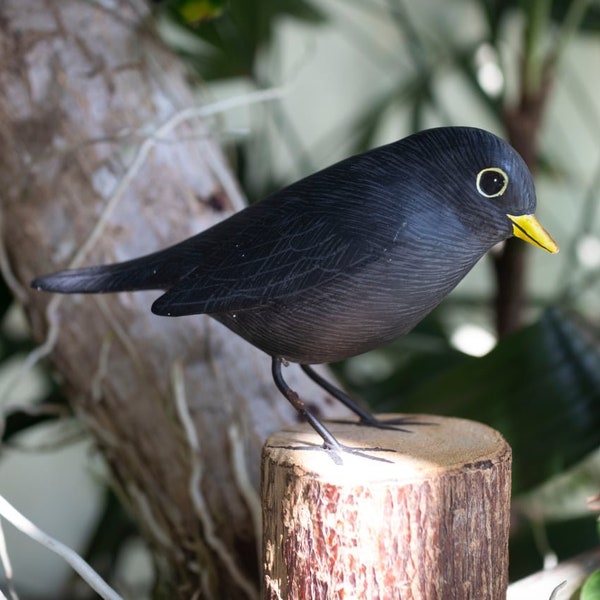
[
  {"x": 556, "y": 590},
  {"x": 13, "y": 516},
  {"x": 53, "y": 445},
  {"x": 187, "y": 114},
  {"x": 247, "y": 490},
  {"x": 40, "y": 352},
  {"x": 38, "y": 410},
  {"x": 225, "y": 178},
  {"x": 7, "y": 273},
  {"x": 570, "y": 25},
  {"x": 5, "y": 560},
  {"x": 202, "y": 510},
  {"x": 538, "y": 18}
]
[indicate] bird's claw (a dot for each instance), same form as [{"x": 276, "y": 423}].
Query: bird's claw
[
  {"x": 394, "y": 424},
  {"x": 336, "y": 451}
]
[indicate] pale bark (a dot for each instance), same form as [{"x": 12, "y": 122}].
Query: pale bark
[
  {"x": 83, "y": 86},
  {"x": 568, "y": 577}
]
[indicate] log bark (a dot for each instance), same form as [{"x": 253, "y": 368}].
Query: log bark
[
  {"x": 178, "y": 407},
  {"x": 431, "y": 523}
]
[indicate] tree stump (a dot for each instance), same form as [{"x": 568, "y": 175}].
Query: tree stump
[{"x": 430, "y": 522}]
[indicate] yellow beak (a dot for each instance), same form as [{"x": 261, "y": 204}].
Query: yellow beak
[{"x": 528, "y": 228}]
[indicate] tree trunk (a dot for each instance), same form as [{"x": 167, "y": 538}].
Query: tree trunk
[
  {"x": 523, "y": 123},
  {"x": 179, "y": 407}
]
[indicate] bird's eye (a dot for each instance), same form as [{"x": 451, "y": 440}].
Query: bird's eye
[{"x": 492, "y": 182}]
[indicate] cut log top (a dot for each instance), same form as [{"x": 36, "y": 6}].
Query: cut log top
[{"x": 435, "y": 445}]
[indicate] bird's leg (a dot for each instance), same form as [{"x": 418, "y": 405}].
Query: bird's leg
[
  {"x": 366, "y": 418},
  {"x": 365, "y": 415},
  {"x": 329, "y": 441}
]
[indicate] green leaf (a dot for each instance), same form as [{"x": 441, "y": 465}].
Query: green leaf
[
  {"x": 194, "y": 12},
  {"x": 236, "y": 31},
  {"x": 591, "y": 587}
]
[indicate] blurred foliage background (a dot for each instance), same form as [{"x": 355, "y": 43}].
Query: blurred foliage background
[{"x": 518, "y": 344}]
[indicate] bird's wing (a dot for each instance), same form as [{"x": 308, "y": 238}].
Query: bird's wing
[{"x": 252, "y": 261}]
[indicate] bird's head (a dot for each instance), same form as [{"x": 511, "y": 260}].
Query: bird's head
[{"x": 484, "y": 179}]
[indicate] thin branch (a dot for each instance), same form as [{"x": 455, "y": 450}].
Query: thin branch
[
  {"x": 40, "y": 352},
  {"x": 53, "y": 445},
  {"x": 187, "y": 114},
  {"x": 538, "y": 19},
  {"x": 202, "y": 510},
  {"x": 7, "y": 273},
  {"x": 13, "y": 516},
  {"x": 570, "y": 25},
  {"x": 556, "y": 590},
  {"x": 39, "y": 410},
  {"x": 6, "y": 564},
  {"x": 244, "y": 484}
]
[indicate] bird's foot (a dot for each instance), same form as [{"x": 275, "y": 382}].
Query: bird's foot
[
  {"x": 394, "y": 424},
  {"x": 336, "y": 455},
  {"x": 336, "y": 451}
]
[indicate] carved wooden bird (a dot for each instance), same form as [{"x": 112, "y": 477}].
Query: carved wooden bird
[{"x": 344, "y": 260}]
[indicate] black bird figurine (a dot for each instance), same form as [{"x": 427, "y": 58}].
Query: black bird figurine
[{"x": 345, "y": 260}]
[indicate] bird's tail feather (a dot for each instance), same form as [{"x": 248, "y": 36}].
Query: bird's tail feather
[{"x": 156, "y": 271}]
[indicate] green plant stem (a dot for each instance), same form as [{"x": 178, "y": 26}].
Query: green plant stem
[
  {"x": 570, "y": 25},
  {"x": 523, "y": 123},
  {"x": 538, "y": 20}
]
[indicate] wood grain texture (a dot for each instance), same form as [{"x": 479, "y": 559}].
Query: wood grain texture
[{"x": 430, "y": 523}]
